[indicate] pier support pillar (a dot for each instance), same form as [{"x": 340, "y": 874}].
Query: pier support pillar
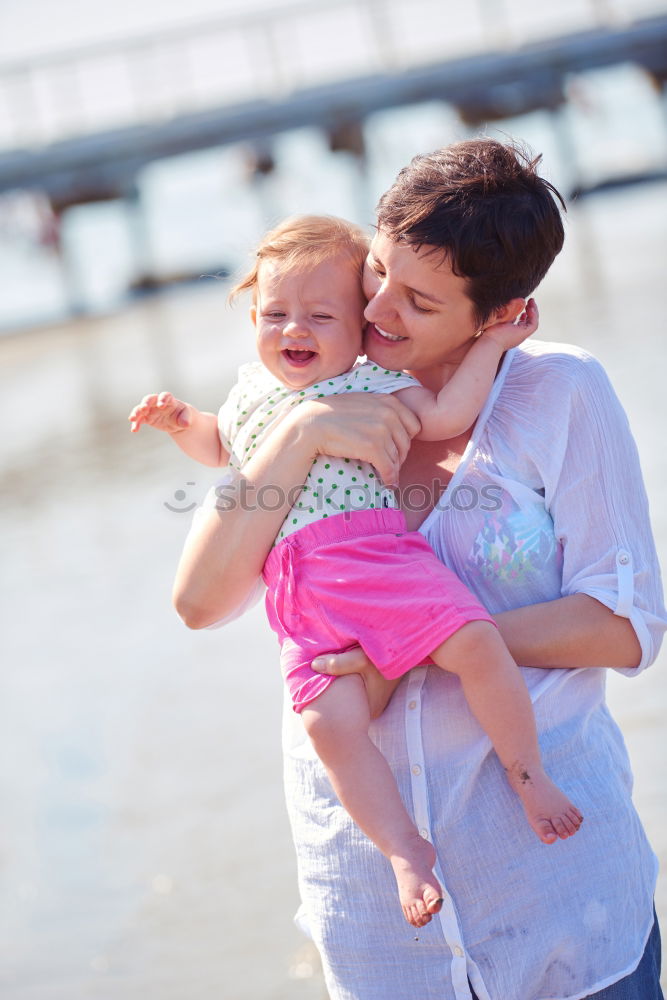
[
  {"x": 69, "y": 272},
  {"x": 348, "y": 137},
  {"x": 145, "y": 278}
]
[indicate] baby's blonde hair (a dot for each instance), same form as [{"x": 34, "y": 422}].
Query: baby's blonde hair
[{"x": 302, "y": 242}]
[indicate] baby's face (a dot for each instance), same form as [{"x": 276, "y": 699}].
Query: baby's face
[{"x": 309, "y": 323}]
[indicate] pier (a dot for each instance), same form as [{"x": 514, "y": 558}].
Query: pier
[
  {"x": 79, "y": 126},
  {"x": 158, "y": 104}
]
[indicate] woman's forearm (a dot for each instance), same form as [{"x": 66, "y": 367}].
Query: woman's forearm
[
  {"x": 226, "y": 551},
  {"x": 574, "y": 631}
]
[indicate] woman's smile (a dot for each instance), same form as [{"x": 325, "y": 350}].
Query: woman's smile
[{"x": 373, "y": 328}]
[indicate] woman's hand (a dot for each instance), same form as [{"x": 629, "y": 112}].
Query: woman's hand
[
  {"x": 226, "y": 550},
  {"x": 377, "y": 429},
  {"x": 354, "y": 661}
]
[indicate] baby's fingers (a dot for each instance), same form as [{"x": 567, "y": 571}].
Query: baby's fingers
[
  {"x": 530, "y": 317},
  {"x": 138, "y": 413},
  {"x": 148, "y": 410},
  {"x": 144, "y": 405},
  {"x": 165, "y": 399}
]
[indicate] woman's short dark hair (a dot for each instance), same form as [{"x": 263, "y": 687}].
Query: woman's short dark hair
[{"x": 485, "y": 206}]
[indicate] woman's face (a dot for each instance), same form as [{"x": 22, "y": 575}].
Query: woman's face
[{"x": 420, "y": 317}]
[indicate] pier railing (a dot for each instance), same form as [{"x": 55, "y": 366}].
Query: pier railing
[{"x": 263, "y": 54}]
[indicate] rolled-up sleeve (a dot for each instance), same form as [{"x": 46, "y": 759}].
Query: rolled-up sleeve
[{"x": 596, "y": 496}]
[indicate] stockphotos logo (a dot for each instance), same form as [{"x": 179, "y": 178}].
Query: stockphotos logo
[{"x": 242, "y": 495}]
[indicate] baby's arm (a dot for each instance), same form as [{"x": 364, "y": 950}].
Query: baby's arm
[
  {"x": 451, "y": 411},
  {"x": 195, "y": 432}
]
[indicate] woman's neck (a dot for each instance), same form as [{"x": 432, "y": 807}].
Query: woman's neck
[{"x": 436, "y": 376}]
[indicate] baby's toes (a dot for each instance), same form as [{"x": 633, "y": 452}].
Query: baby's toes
[
  {"x": 572, "y": 820},
  {"x": 433, "y": 901},
  {"x": 545, "y": 830},
  {"x": 561, "y": 826},
  {"x": 415, "y": 914}
]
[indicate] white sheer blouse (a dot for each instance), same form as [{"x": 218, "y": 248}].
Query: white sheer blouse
[{"x": 548, "y": 500}]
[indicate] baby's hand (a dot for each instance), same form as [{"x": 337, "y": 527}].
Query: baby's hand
[
  {"x": 162, "y": 411},
  {"x": 512, "y": 334}
]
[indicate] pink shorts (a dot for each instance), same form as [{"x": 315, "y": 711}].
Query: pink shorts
[{"x": 361, "y": 578}]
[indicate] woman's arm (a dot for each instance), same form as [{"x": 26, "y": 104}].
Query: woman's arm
[
  {"x": 225, "y": 551},
  {"x": 611, "y": 608},
  {"x": 573, "y": 631},
  {"x": 570, "y": 632},
  {"x": 611, "y": 614}
]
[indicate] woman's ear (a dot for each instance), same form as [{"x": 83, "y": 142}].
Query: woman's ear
[
  {"x": 253, "y": 314},
  {"x": 506, "y": 313}
]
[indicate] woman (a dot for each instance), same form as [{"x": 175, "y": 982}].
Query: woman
[{"x": 543, "y": 516}]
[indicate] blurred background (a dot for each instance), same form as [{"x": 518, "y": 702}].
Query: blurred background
[{"x": 144, "y": 148}]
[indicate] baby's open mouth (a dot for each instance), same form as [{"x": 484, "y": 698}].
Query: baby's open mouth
[{"x": 298, "y": 357}]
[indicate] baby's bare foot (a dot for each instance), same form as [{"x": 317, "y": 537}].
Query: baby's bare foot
[
  {"x": 548, "y": 810},
  {"x": 418, "y": 889}
]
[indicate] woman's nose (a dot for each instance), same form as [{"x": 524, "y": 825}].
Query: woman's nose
[{"x": 379, "y": 306}]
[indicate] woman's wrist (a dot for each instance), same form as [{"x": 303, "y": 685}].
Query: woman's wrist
[{"x": 377, "y": 429}]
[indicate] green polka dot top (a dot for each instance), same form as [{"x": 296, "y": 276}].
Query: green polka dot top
[{"x": 334, "y": 485}]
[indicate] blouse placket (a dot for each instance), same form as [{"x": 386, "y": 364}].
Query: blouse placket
[
  {"x": 447, "y": 918},
  {"x": 463, "y": 969}
]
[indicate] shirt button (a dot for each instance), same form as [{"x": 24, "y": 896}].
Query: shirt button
[
  {"x": 423, "y": 833},
  {"x": 623, "y": 558},
  {"x": 458, "y": 951},
  {"x": 412, "y": 705},
  {"x": 416, "y": 769}
]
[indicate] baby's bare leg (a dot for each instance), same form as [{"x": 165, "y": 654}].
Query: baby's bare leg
[
  {"x": 499, "y": 700},
  {"x": 337, "y": 723}
]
